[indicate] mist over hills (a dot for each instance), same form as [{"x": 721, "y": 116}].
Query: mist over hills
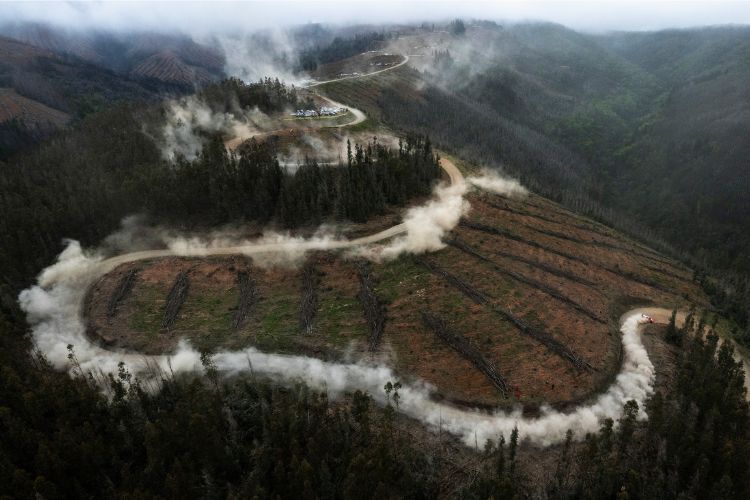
[
  {"x": 644, "y": 125},
  {"x": 317, "y": 261},
  {"x": 649, "y": 123}
]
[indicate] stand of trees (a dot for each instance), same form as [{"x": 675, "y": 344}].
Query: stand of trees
[
  {"x": 218, "y": 187},
  {"x": 61, "y": 438},
  {"x": 695, "y": 444},
  {"x": 268, "y": 95},
  {"x": 340, "y": 48}
]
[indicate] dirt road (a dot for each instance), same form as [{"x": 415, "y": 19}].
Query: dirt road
[
  {"x": 406, "y": 60},
  {"x": 454, "y": 174},
  {"x": 358, "y": 115},
  {"x": 661, "y": 316}
]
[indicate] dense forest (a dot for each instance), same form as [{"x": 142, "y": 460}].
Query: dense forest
[
  {"x": 218, "y": 187},
  {"x": 268, "y": 95}
]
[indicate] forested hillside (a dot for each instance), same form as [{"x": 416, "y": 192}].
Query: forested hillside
[
  {"x": 84, "y": 182},
  {"x": 166, "y": 57},
  {"x": 54, "y": 88},
  {"x": 644, "y": 130}
]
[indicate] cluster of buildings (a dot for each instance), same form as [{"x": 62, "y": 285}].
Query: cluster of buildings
[{"x": 323, "y": 111}]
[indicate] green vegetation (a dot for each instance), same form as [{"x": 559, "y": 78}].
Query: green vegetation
[
  {"x": 392, "y": 276},
  {"x": 591, "y": 121},
  {"x": 341, "y": 319},
  {"x": 208, "y": 313},
  {"x": 148, "y": 306}
]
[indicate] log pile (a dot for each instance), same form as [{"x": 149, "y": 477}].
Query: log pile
[
  {"x": 247, "y": 299},
  {"x": 546, "y": 268},
  {"x": 373, "y": 309},
  {"x": 308, "y": 306},
  {"x": 552, "y": 344},
  {"x": 124, "y": 287},
  {"x": 464, "y": 347},
  {"x": 175, "y": 299}
]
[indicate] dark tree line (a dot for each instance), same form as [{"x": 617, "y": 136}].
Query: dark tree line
[
  {"x": 695, "y": 444},
  {"x": 340, "y": 48},
  {"x": 252, "y": 186},
  {"x": 197, "y": 438},
  {"x": 268, "y": 94}
]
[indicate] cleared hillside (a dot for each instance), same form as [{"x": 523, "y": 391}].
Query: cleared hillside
[
  {"x": 167, "y": 66},
  {"x": 29, "y": 112},
  {"x": 528, "y": 288}
]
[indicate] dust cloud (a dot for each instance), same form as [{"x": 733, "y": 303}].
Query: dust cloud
[
  {"x": 53, "y": 310},
  {"x": 493, "y": 182}
]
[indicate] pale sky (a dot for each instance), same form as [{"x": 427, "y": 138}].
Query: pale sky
[{"x": 206, "y": 17}]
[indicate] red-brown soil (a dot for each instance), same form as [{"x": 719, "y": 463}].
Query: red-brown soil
[{"x": 598, "y": 269}]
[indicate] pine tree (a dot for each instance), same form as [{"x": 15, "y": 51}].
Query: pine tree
[{"x": 673, "y": 335}]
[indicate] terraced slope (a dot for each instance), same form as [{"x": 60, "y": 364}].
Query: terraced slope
[
  {"x": 29, "y": 112},
  {"x": 526, "y": 296},
  {"x": 167, "y": 66}
]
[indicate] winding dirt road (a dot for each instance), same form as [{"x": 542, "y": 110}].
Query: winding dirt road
[
  {"x": 661, "y": 316},
  {"x": 359, "y": 116},
  {"x": 454, "y": 174},
  {"x": 315, "y": 84},
  {"x": 54, "y": 308}
]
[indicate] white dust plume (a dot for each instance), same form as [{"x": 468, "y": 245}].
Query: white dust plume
[
  {"x": 425, "y": 225},
  {"x": 491, "y": 181},
  {"x": 53, "y": 309},
  {"x": 189, "y": 119},
  {"x": 267, "y": 54}
]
